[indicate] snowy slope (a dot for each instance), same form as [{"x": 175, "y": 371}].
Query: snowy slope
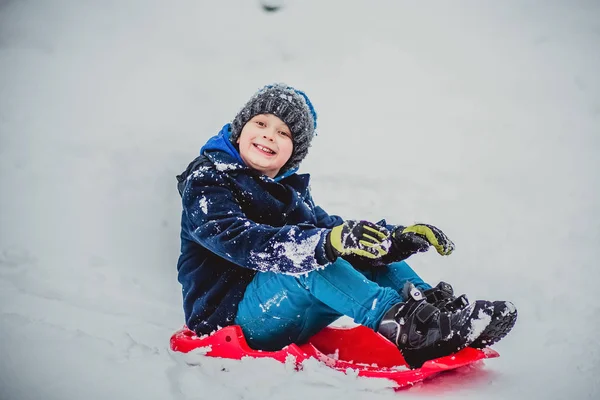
[{"x": 483, "y": 117}]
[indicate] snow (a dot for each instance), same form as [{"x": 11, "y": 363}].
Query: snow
[
  {"x": 478, "y": 325},
  {"x": 481, "y": 118},
  {"x": 204, "y": 205},
  {"x": 225, "y": 167},
  {"x": 274, "y": 301},
  {"x": 299, "y": 252}
]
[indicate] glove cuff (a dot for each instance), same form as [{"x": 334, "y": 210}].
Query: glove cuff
[{"x": 330, "y": 252}]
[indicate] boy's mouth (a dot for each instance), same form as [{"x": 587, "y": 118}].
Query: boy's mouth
[{"x": 264, "y": 149}]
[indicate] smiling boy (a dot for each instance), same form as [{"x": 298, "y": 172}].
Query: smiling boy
[
  {"x": 257, "y": 252},
  {"x": 265, "y": 144}
]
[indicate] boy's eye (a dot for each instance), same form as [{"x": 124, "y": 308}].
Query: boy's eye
[
  {"x": 284, "y": 133},
  {"x": 260, "y": 123}
]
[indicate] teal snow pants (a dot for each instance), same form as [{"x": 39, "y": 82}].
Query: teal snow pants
[{"x": 278, "y": 309}]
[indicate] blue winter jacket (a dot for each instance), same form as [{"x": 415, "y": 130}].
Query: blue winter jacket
[{"x": 235, "y": 222}]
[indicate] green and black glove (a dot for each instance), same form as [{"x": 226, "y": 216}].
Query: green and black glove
[
  {"x": 417, "y": 238},
  {"x": 358, "y": 238}
]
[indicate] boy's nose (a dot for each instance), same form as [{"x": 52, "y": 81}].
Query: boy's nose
[{"x": 268, "y": 136}]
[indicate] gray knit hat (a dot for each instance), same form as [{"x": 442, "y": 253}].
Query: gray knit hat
[{"x": 292, "y": 106}]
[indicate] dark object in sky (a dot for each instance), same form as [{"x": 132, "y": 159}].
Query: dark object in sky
[
  {"x": 269, "y": 8},
  {"x": 271, "y": 5}
]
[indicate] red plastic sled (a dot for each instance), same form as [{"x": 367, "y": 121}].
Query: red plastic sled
[{"x": 358, "y": 348}]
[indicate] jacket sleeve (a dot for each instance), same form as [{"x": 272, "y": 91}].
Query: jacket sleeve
[
  {"x": 325, "y": 220},
  {"x": 217, "y": 222}
]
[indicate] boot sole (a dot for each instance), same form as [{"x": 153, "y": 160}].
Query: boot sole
[{"x": 496, "y": 330}]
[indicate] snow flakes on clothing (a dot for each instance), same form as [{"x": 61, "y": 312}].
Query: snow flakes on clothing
[
  {"x": 374, "y": 304},
  {"x": 274, "y": 301},
  {"x": 478, "y": 325},
  {"x": 203, "y": 205},
  {"x": 286, "y": 97},
  {"x": 300, "y": 253},
  {"x": 291, "y": 257},
  {"x": 199, "y": 172},
  {"x": 226, "y": 167}
]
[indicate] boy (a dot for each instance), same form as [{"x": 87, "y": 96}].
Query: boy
[{"x": 257, "y": 252}]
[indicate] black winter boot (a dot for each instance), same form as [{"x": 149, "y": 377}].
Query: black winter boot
[
  {"x": 503, "y": 318},
  {"x": 422, "y": 332}
]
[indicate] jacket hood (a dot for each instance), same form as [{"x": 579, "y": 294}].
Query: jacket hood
[{"x": 226, "y": 157}]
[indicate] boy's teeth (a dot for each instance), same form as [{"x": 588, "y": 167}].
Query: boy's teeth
[{"x": 264, "y": 149}]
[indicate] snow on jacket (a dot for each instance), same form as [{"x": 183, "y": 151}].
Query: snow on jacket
[{"x": 235, "y": 222}]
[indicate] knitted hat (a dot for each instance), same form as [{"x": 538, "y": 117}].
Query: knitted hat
[{"x": 292, "y": 106}]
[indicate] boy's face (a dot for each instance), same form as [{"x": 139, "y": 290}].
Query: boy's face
[{"x": 266, "y": 144}]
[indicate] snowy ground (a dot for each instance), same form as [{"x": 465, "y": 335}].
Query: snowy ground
[{"x": 481, "y": 117}]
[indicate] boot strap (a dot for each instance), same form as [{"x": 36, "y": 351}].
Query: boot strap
[
  {"x": 460, "y": 302},
  {"x": 441, "y": 292},
  {"x": 445, "y": 325},
  {"x": 426, "y": 312}
]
